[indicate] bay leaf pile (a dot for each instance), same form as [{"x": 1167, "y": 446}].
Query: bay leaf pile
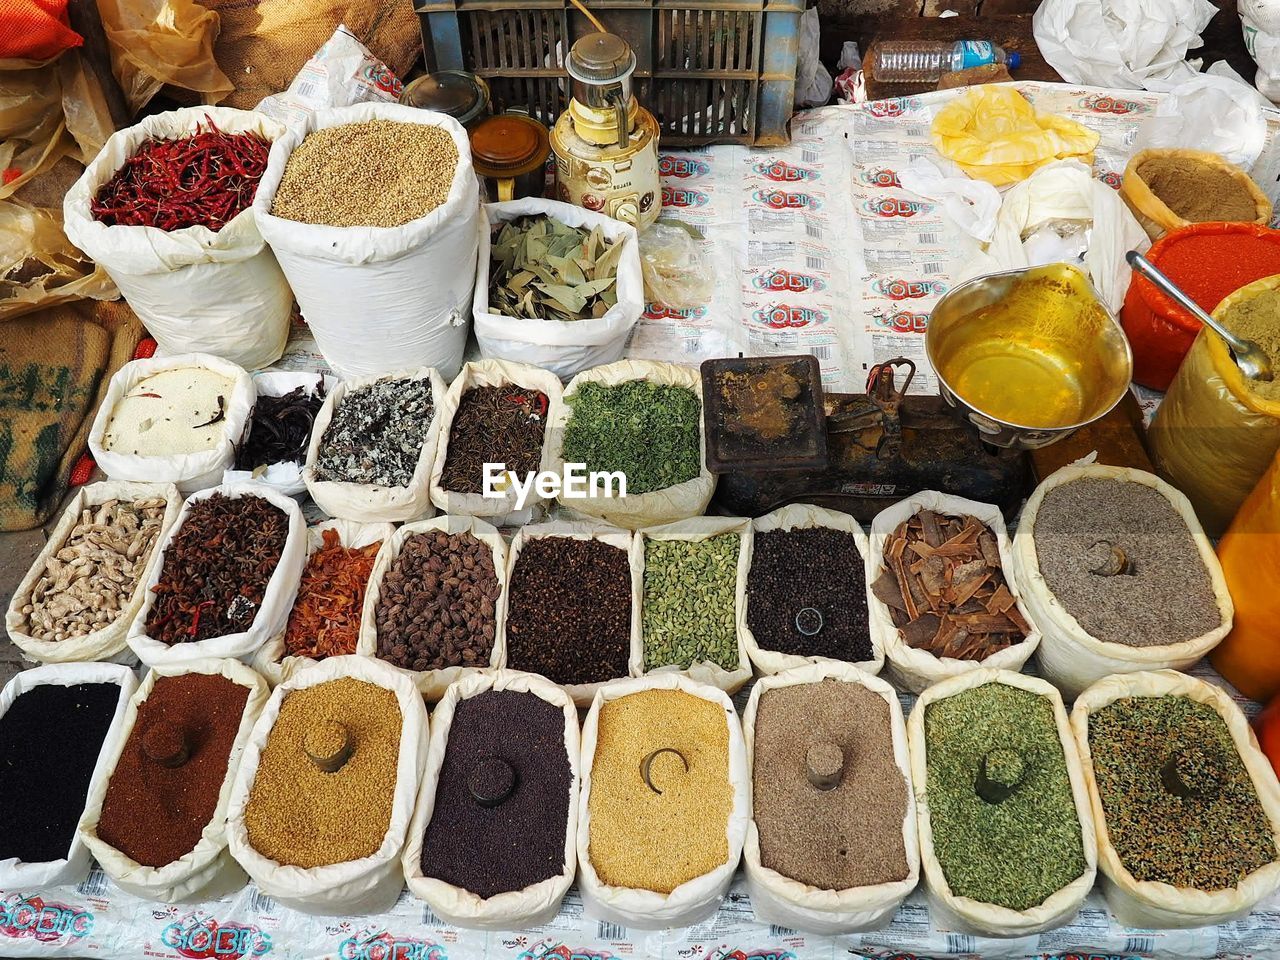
[{"x": 542, "y": 269}]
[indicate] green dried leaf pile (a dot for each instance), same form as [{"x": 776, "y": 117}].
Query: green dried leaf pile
[{"x": 542, "y": 269}]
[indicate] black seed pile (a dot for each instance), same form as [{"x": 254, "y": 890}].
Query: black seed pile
[
  {"x": 50, "y": 738},
  {"x": 795, "y": 570},
  {"x": 495, "y": 849}
]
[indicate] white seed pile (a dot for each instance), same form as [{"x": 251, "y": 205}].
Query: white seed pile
[
  {"x": 88, "y": 582},
  {"x": 379, "y": 173}
]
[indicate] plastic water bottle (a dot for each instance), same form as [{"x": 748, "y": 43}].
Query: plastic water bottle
[{"x": 924, "y": 60}]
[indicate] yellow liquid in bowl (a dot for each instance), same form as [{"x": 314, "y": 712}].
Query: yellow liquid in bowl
[{"x": 1019, "y": 383}]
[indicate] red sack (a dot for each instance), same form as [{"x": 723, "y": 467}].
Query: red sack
[{"x": 35, "y": 30}]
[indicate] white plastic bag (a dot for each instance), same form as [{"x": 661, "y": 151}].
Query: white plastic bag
[
  {"x": 534, "y": 905},
  {"x": 964, "y": 914},
  {"x": 284, "y": 478},
  {"x": 1160, "y": 906},
  {"x": 971, "y": 204},
  {"x": 694, "y": 530},
  {"x": 1069, "y": 656},
  {"x": 207, "y": 869},
  {"x": 583, "y": 694},
  {"x": 195, "y": 290},
  {"x": 914, "y": 669},
  {"x": 492, "y": 373},
  {"x": 14, "y": 873},
  {"x": 108, "y": 642},
  {"x": 270, "y": 660},
  {"x": 188, "y": 471},
  {"x": 779, "y": 900},
  {"x": 368, "y": 502},
  {"x": 1215, "y": 111},
  {"x": 813, "y": 81},
  {"x": 433, "y": 683},
  {"x": 1260, "y": 20},
  {"x": 355, "y": 887},
  {"x": 379, "y": 299},
  {"x": 804, "y": 516},
  {"x": 694, "y": 900},
  {"x": 277, "y": 599},
  {"x": 1121, "y": 43},
  {"x": 563, "y": 347},
  {"x": 1064, "y": 190},
  {"x": 636, "y": 510}
]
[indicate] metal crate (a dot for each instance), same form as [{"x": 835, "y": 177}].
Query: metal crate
[{"x": 721, "y": 71}]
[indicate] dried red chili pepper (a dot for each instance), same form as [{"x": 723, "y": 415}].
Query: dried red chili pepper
[{"x": 205, "y": 179}]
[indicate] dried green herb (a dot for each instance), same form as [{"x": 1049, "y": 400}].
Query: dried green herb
[
  {"x": 688, "y": 611},
  {"x": 542, "y": 269},
  {"x": 648, "y": 431},
  {"x": 1019, "y": 851},
  {"x": 1180, "y": 805}
]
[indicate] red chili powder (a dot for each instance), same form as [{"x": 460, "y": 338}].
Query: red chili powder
[
  {"x": 1209, "y": 267},
  {"x": 156, "y": 814}
]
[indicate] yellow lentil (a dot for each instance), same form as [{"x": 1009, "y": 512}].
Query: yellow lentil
[
  {"x": 301, "y": 816},
  {"x": 652, "y": 841}
]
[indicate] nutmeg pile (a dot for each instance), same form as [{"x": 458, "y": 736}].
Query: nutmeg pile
[{"x": 437, "y": 603}]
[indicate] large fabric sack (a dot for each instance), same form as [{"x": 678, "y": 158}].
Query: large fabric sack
[
  {"x": 195, "y": 290},
  {"x": 537, "y": 903},
  {"x": 566, "y": 348},
  {"x": 636, "y": 510},
  {"x": 914, "y": 669},
  {"x": 779, "y": 900},
  {"x": 1069, "y": 656},
  {"x": 965, "y": 914},
  {"x": 277, "y": 600},
  {"x": 208, "y": 869},
  {"x": 110, "y": 641},
  {"x": 696, "y": 899},
  {"x": 71, "y": 869},
  {"x": 356, "y": 887},
  {"x": 433, "y": 683},
  {"x": 804, "y": 516},
  {"x": 1146, "y": 903},
  {"x": 694, "y": 530},
  {"x": 379, "y": 299},
  {"x": 189, "y": 471}
]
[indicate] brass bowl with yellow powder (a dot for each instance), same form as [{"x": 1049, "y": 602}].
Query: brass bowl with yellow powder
[{"x": 1028, "y": 355}]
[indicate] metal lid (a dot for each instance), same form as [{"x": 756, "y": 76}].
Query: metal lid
[
  {"x": 508, "y": 145},
  {"x": 461, "y": 95},
  {"x": 601, "y": 58}
]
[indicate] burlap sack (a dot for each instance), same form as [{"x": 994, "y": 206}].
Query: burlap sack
[
  {"x": 694, "y": 530},
  {"x": 804, "y": 516},
  {"x": 964, "y": 914},
  {"x": 696, "y": 899},
  {"x": 208, "y": 869},
  {"x": 537, "y": 903},
  {"x": 779, "y": 900},
  {"x": 1069, "y": 656},
  {"x": 1159, "y": 906},
  {"x": 678, "y": 502},
  {"x": 433, "y": 683}
]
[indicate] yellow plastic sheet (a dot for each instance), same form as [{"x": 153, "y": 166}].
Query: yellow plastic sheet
[
  {"x": 994, "y": 133},
  {"x": 38, "y": 265},
  {"x": 1213, "y": 437},
  {"x": 154, "y": 42}
]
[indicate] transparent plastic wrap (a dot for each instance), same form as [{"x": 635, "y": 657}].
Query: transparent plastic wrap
[{"x": 676, "y": 271}]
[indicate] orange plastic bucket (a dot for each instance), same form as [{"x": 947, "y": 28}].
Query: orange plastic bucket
[{"x": 1209, "y": 261}]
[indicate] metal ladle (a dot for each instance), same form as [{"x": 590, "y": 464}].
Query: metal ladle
[{"x": 1250, "y": 358}]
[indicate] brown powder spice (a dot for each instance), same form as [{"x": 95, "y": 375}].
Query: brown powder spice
[
  {"x": 1258, "y": 319},
  {"x": 1197, "y": 191},
  {"x": 849, "y": 835},
  {"x": 155, "y": 813},
  {"x": 656, "y": 841},
  {"x": 301, "y": 816}
]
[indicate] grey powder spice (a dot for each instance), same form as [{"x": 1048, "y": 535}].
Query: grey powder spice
[
  {"x": 1121, "y": 560},
  {"x": 851, "y": 834},
  {"x": 377, "y": 433}
]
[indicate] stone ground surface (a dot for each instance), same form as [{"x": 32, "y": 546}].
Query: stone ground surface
[{"x": 17, "y": 551}]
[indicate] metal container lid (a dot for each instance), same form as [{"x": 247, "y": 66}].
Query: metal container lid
[
  {"x": 461, "y": 95},
  {"x": 509, "y": 145},
  {"x": 601, "y": 58}
]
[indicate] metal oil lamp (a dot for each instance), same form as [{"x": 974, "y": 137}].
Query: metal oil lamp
[{"x": 606, "y": 144}]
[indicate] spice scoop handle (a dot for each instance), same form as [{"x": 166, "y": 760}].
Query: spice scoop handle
[{"x": 1251, "y": 358}]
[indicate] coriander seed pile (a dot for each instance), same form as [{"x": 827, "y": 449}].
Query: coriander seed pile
[{"x": 378, "y": 173}]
